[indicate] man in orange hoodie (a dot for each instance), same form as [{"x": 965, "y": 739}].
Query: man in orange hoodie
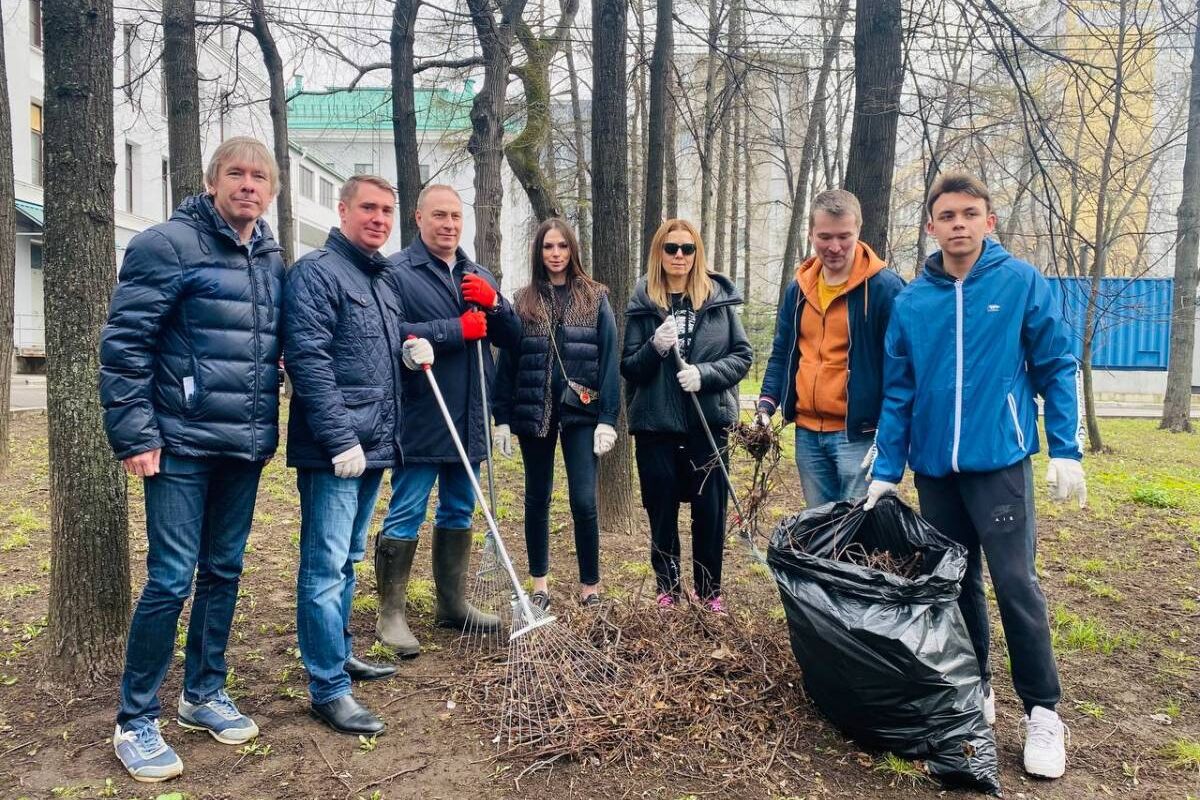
[{"x": 826, "y": 365}]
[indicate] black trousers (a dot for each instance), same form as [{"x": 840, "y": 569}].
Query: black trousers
[
  {"x": 991, "y": 513},
  {"x": 670, "y": 471},
  {"x": 580, "y": 460}
]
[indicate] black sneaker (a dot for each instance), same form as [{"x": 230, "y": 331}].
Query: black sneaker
[
  {"x": 591, "y": 601},
  {"x": 540, "y": 600}
]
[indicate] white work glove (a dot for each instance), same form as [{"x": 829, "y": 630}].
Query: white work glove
[
  {"x": 350, "y": 463},
  {"x": 502, "y": 440},
  {"x": 666, "y": 336},
  {"x": 417, "y": 353},
  {"x": 603, "y": 439},
  {"x": 1065, "y": 476},
  {"x": 689, "y": 378},
  {"x": 876, "y": 490},
  {"x": 762, "y": 419}
]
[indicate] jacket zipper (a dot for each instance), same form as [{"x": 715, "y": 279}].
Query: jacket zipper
[
  {"x": 1012, "y": 408},
  {"x": 792, "y": 349},
  {"x": 391, "y": 363},
  {"x": 257, "y": 354},
  {"x": 958, "y": 371}
]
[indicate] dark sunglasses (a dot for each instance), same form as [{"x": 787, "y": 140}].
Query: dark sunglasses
[{"x": 671, "y": 248}]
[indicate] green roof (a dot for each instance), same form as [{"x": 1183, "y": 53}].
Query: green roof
[
  {"x": 370, "y": 108},
  {"x": 31, "y": 211}
]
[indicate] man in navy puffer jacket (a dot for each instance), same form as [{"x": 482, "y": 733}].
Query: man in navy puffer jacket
[
  {"x": 189, "y": 384},
  {"x": 343, "y": 352}
]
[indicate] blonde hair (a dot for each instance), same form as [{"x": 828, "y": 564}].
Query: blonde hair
[
  {"x": 242, "y": 147},
  {"x": 699, "y": 285},
  {"x": 350, "y": 187}
]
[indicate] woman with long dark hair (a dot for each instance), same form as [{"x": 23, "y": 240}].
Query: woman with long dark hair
[
  {"x": 561, "y": 382},
  {"x": 683, "y": 335}
]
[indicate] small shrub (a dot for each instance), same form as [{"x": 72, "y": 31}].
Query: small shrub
[
  {"x": 1155, "y": 497},
  {"x": 1184, "y": 754}
]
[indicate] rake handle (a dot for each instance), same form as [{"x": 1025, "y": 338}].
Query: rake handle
[{"x": 487, "y": 511}]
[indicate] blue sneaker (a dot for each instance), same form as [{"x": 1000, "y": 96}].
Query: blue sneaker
[
  {"x": 220, "y": 717},
  {"x": 144, "y": 753}
]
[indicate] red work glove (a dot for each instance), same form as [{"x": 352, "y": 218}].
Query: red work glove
[
  {"x": 474, "y": 325},
  {"x": 478, "y": 291}
]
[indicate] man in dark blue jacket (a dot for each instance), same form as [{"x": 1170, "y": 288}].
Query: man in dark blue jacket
[
  {"x": 972, "y": 340},
  {"x": 189, "y": 384},
  {"x": 342, "y": 353},
  {"x": 455, "y": 304}
]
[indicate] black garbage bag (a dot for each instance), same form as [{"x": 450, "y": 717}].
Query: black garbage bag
[{"x": 887, "y": 659}]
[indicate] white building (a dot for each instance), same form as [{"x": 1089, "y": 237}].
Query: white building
[{"x": 231, "y": 104}]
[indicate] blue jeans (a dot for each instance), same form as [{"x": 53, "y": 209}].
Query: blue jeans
[
  {"x": 411, "y": 487},
  {"x": 198, "y": 514},
  {"x": 830, "y": 466},
  {"x": 334, "y": 516}
]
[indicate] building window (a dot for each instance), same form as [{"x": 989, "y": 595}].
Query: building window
[
  {"x": 362, "y": 168},
  {"x": 130, "y": 32},
  {"x": 166, "y": 188},
  {"x": 306, "y": 182},
  {"x": 224, "y": 28},
  {"x": 162, "y": 91},
  {"x": 129, "y": 149},
  {"x": 35, "y": 142},
  {"x": 326, "y": 193},
  {"x": 35, "y": 23},
  {"x": 424, "y": 173}
]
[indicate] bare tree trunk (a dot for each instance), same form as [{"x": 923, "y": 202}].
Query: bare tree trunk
[
  {"x": 524, "y": 151},
  {"x": 486, "y": 144},
  {"x": 611, "y": 253},
  {"x": 638, "y": 146},
  {"x": 181, "y": 83},
  {"x": 8, "y": 254},
  {"x": 735, "y": 183},
  {"x": 709, "y": 131},
  {"x": 878, "y": 76},
  {"x": 1101, "y": 235},
  {"x": 404, "y": 117},
  {"x": 816, "y": 123},
  {"x": 582, "y": 190},
  {"x": 719, "y": 263},
  {"x": 748, "y": 188},
  {"x": 660, "y": 126},
  {"x": 286, "y": 235},
  {"x": 89, "y": 520},
  {"x": 670, "y": 168}
]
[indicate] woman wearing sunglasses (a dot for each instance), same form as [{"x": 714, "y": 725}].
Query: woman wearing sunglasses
[
  {"x": 560, "y": 383},
  {"x": 683, "y": 335}
]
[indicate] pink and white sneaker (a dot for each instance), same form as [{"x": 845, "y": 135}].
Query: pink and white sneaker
[
  {"x": 666, "y": 600},
  {"x": 715, "y": 605}
]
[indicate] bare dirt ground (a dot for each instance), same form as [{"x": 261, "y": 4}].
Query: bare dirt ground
[{"x": 1122, "y": 579}]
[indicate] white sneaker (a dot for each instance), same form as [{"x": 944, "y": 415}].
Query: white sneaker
[
  {"x": 989, "y": 706},
  {"x": 1045, "y": 745}
]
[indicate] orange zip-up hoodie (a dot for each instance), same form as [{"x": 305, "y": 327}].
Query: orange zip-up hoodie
[{"x": 824, "y": 343}]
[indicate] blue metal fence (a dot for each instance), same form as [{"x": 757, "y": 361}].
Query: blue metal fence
[{"x": 1133, "y": 320}]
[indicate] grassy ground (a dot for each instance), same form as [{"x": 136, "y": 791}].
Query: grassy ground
[{"x": 1122, "y": 579}]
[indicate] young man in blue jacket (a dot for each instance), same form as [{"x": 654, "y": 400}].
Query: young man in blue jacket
[
  {"x": 189, "y": 382},
  {"x": 972, "y": 340}
]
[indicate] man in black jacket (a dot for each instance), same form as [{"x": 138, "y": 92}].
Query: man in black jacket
[
  {"x": 456, "y": 304},
  {"x": 343, "y": 345},
  {"x": 189, "y": 384}
]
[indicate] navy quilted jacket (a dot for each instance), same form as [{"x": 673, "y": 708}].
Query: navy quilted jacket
[
  {"x": 342, "y": 354},
  {"x": 431, "y": 296},
  {"x": 189, "y": 357}
]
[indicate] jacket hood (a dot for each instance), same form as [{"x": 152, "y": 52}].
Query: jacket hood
[
  {"x": 367, "y": 262},
  {"x": 992, "y": 255},
  {"x": 725, "y": 292},
  {"x": 199, "y": 212},
  {"x": 866, "y": 265}
]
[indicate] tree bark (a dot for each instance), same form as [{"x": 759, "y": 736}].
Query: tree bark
[
  {"x": 486, "y": 144},
  {"x": 747, "y": 188},
  {"x": 611, "y": 252},
  {"x": 808, "y": 150},
  {"x": 8, "y": 254},
  {"x": 709, "y": 130},
  {"x": 878, "y": 77},
  {"x": 89, "y": 524},
  {"x": 181, "y": 82},
  {"x": 735, "y": 184},
  {"x": 286, "y": 235},
  {"x": 724, "y": 151},
  {"x": 1177, "y": 404},
  {"x": 660, "y": 102},
  {"x": 524, "y": 151},
  {"x": 404, "y": 117},
  {"x": 637, "y": 145},
  {"x": 582, "y": 189},
  {"x": 670, "y": 168}
]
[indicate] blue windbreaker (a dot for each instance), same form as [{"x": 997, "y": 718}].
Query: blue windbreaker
[{"x": 963, "y": 360}]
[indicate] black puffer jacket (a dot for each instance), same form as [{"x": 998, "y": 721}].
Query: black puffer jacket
[
  {"x": 587, "y": 342},
  {"x": 343, "y": 354},
  {"x": 720, "y": 349},
  {"x": 431, "y": 297},
  {"x": 189, "y": 357}
]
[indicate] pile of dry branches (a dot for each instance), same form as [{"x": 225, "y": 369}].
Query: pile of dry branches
[
  {"x": 882, "y": 560},
  {"x": 692, "y": 686}
]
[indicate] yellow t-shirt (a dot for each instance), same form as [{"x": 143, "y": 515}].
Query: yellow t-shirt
[{"x": 826, "y": 294}]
